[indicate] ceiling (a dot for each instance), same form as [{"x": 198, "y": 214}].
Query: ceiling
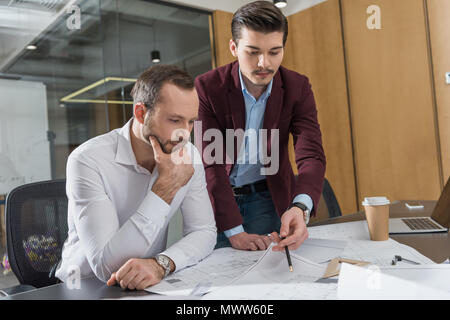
[
  {"x": 115, "y": 39},
  {"x": 23, "y": 22}
]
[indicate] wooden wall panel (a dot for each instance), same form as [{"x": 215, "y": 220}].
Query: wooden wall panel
[
  {"x": 314, "y": 48},
  {"x": 222, "y": 35},
  {"x": 439, "y": 23},
  {"x": 391, "y": 101}
]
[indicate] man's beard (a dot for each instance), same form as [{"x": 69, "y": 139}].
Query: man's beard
[
  {"x": 164, "y": 146},
  {"x": 146, "y": 138}
]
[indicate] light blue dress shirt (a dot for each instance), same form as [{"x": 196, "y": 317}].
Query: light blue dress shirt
[{"x": 249, "y": 171}]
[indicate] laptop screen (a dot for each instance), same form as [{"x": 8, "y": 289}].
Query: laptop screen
[{"x": 441, "y": 212}]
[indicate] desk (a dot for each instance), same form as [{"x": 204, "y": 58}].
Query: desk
[{"x": 435, "y": 246}]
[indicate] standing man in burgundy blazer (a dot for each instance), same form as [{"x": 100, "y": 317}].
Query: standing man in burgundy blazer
[{"x": 256, "y": 93}]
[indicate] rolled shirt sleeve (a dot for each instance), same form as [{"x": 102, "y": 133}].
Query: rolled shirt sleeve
[{"x": 305, "y": 199}]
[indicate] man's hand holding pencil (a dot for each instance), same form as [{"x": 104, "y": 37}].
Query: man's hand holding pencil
[{"x": 293, "y": 233}]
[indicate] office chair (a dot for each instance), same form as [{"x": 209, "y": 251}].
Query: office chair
[
  {"x": 36, "y": 228},
  {"x": 328, "y": 206},
  {"x": 334, "y": 210}
]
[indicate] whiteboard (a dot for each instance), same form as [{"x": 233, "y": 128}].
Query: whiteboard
[{"x": 24, "y": 148}]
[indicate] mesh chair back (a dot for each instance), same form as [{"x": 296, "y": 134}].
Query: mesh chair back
[{"x": 36, "y": 228}]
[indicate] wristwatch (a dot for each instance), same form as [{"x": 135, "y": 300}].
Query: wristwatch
[
  {"x": 306, "y": 212},
  {"x": 164, "y": 262}
]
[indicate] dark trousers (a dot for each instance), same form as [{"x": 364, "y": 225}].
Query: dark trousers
[{"x": 259, "y": 214}]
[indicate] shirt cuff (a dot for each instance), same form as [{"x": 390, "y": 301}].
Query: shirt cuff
[
  {"x": 179, "y": 258},
  {"x": 305, "y": 199},
  {"x": 154, "y": 208},
  {"x": 234, "y": 231}
]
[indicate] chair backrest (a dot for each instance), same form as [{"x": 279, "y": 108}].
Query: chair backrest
[
  {"x": 334, "y": 210},
  {"x": 328, "y": 206},
  {"x": 36, "y": 228}
]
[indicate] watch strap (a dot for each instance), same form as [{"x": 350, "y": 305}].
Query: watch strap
[
  {"x": 164, "y": 262},
  {"x": 306, "y": 212}
]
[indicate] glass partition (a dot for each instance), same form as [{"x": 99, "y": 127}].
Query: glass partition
[{"x": 67, "y": 69}]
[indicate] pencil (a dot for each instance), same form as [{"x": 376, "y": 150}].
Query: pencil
[{"x": 288, "y": 256}]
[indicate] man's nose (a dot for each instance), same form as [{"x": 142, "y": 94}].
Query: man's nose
[{"x": 262, "y": 61}]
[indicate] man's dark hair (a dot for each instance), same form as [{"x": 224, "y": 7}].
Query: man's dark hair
[
  {"x": 147, "y": 88},
  {"x": 260, "y": 16}
]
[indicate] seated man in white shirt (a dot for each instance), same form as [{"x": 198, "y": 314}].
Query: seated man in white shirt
[{"x": 124, "y": 187}]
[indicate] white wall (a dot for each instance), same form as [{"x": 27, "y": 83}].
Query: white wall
[
  {"x": 293, "y": 6},
  {"x": 24, "y": 148},
  {"x": 224, "y": 5}
]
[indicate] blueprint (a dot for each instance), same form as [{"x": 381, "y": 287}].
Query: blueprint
[
  {"x": 236, "y": 274},
  {"x": 271, "y": 279},
  {"x": 381, "y": 253},
  {"x": 220, "y": 268},
  {"x": 356, "y": 230},
  {"x": 321, "y": 250}
]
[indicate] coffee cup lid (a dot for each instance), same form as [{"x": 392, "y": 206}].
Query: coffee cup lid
[{"x": 375, "y": 201}]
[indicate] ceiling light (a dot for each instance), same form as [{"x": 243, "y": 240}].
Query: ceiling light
[
  {"x": 280, "y": 3},
  {"x": 156, "y": 56},
  {"x": 70, "y": 98},
  {"x": 31, "y": 47}
]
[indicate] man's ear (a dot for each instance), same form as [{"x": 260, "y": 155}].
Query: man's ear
[
  {"x": 233, "y": 48},
  {"x": 139, "y": 112}
]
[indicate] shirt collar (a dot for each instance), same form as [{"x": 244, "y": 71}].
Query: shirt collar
[
  {"x": 265, "y": 94},
  {"x": 124, "y": 153}
]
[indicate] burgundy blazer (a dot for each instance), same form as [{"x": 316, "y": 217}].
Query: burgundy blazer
[{"x": 291, "y": 109}]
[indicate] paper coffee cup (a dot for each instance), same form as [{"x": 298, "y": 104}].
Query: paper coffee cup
[{"x": 377, "y": 216}]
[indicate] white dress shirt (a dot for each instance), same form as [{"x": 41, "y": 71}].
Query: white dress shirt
[{"x": 114, "y": 216}]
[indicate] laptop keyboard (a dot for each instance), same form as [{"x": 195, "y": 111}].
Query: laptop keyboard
[{"x": 420, "y": 224}]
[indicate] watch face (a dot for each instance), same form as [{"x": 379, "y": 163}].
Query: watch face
[{"x": 164, "y": 261}]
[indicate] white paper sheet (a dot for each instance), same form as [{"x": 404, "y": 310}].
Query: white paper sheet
[
  {"x": 154, "y": 297},
  {"x": 356, "y": 230},
  {"x": 380, "y": 283},
  {"x": 216, "y": 270},
  {"x": 276, "y": 291},
  {"x": 270, "y": 278},
  {"x": 381, "y": 253},
  {"x": 436, "y": 275},
  {"x": 320, "y": 250},
  {"x": 234, "y": 274},
  {"x": 360, "y": 247}
]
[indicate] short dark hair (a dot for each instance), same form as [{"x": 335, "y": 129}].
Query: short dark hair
[
  {"x": 260, "y": 16},
  {"x": 147, "y": 88}
]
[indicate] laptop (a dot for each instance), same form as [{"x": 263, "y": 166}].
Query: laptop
[{"x": 438, "y": 222}]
